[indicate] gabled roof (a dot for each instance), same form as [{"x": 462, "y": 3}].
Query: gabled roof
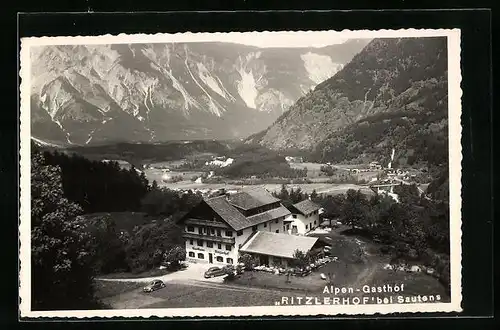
[
  {"x": 268, "y": 215},
  {"x": 251, "y": 198},
  {"x": 306, "y": 207},
  {"x": 227, "y": 212},
  {"x": 280, "y": 245}
]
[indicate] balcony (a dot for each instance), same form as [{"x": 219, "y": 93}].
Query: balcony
[
  {"x": 205, "y": 223},
  {"x": 220, "y": 239}
]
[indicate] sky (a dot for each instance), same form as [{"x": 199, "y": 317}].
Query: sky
[
  {"x": 283, "y": 39},
  {"x": 259, "y": 39}
]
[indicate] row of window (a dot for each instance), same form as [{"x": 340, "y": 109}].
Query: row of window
[
  {"x": 209, "y": 244},
  {"x": 310, "y": 225},
  {"x": 210, "y": 231},
  {"x": 213, "y": 231},
  {"x": 307, "y": 215},
  {"x": 202, "y": 256},
  {"x": 256, "y": 227}
]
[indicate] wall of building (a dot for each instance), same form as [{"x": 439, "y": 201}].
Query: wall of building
[
  {"x": 271, "y": 226},
  {"x": 303, "y": 223},
  {"x": 220, "y": 255},
  {"x": 272, "y": 261},
  {"x": 207, "y": 247}
]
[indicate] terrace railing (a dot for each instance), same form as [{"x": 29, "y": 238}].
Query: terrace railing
[{"x": 221, "y": 239}]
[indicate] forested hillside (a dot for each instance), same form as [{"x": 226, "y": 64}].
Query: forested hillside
[
  {"x": 98, "y": 186},
  {"x": 393, "y": 94}
]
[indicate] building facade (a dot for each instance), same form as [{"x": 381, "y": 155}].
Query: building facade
[
  {"x": 217, "y": 228},
  {"x": 304, "y": 217},
  {"x": 277, "y": 250}
]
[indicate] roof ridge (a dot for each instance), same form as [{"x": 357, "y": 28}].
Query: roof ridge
[
  {"x": 215, "y": 197},
  {"x": 249, "y": 239}
]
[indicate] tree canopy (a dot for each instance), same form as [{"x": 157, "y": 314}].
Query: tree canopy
[{"x": 61, "y": 255}]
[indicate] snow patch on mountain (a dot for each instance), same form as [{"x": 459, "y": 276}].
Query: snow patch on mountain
[
  {"x": 43, "y": 143},
  {"x": 213, "y": 105},
  {"x": 319, "y": 67},
  {"x": 230, "y": 97},
  {"x": 209, "y": 80},
  {"x": 247, "y": 88}
]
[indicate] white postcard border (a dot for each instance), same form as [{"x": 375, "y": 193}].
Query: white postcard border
[{"x": 455, "y": 159}]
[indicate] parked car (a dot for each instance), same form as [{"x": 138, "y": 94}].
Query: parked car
[
  {"x": 153, "y": 286},
  {"x": 215, "y": 271}
]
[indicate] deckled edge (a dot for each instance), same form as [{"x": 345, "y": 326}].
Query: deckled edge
[
  {"x": 455, "y": 165},
  {"x": 141, "y": 38},
  {"x": 455, "y": 155},
  {"x": 24, "y": 181}
]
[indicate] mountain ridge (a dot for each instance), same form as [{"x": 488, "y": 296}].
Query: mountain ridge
[
  {"x": 156, "y": 92},
  {"x": 342, "y": 119}
]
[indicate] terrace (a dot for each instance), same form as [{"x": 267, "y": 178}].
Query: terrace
[{"x": 226, "y": 240}]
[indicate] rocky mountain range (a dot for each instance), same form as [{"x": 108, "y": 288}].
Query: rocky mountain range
[
  {"x": 393, "y": 94},
  {"x": 88, "y": 94}
]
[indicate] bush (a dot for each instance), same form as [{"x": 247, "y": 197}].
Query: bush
[{"x": 248, "y": 261}]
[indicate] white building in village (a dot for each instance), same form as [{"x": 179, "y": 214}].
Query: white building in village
[
  {"x": 219, "y": 229},
  {"x": 304, "y": 217}
]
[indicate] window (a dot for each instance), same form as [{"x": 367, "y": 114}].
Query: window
[
  {"x": 191, "y": 241},
  {"x": 276, "y": 221},
  {"x": 200, "y": 231},
  {"x": 219, "y": 246},
  {"x": 239, "y": 233},
  {"x": 190, "y": 228},
  {"x": 306, "y": 226},
  {"x": 228, "y": 247},
  {"x": 229, "y": 260},
  {"x": 210, "y": 244},
  {"x": 288, "y": 226},
  {"x": 254, "y": 228},
  {"x": 212, "y": 231},
  {"x": 200, "y": 256},
  {"x": 199, "y": 242},
  {"x": 219, "y": 233},
  {"x": 314, "y": 221},
  {"x": 284, "y": 228},
  {"x": 229, "y": 233},
  {"x": 191, "y": 254},
  {"x": 265, "y": 224},
  {"x": 219, "y": 259},
  {"x": 277, "y": 230},
  {"x": 294, "y": 216}
]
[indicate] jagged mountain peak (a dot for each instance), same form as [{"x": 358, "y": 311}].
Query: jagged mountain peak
[{"x": 170, "y": 91}]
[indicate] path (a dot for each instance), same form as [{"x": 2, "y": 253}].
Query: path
[
  {"x": 196, "y": 293},
  {"x": 192, "y": 272}
]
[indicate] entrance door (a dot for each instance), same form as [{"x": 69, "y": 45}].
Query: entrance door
[
  {"x": 210, "y": 258},
  {"x": 264, "y": 260}
]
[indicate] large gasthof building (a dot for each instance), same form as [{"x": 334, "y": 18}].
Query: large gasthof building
[{"x": 219, "y": 229}]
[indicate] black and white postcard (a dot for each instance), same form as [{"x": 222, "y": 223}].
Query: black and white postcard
[{"x": 241, "y": 174}]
